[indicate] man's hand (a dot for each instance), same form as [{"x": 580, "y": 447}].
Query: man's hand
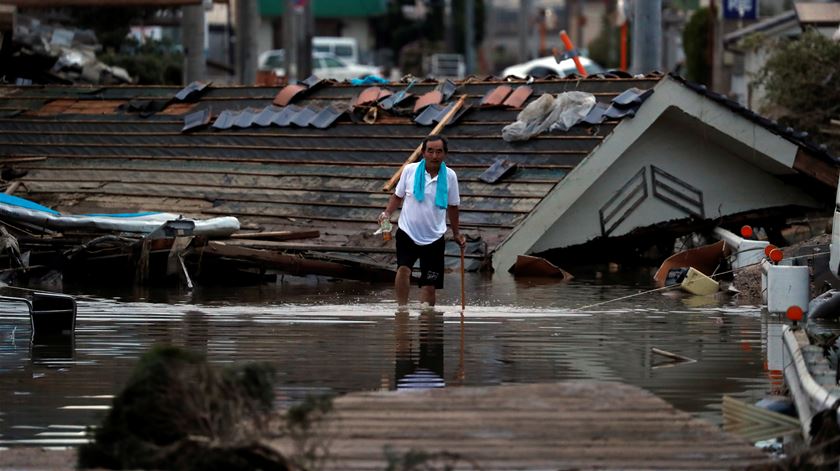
[
  {"x": 461, "y": 239},
  {"x": 383, "y": 216}
]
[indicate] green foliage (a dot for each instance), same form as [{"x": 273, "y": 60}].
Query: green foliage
[
  {"x": 753, "y": 42},
  {"x": 152, "y": 63},
  {"x": 307, "y": 427},
  {"x": 459, "y": 20},
  {"x": 111, "y": 24},
  {"x": 606, "y": 48},
  {"x": 696, "y": 46},
  {"x": 801, "y": 80},
  {"x": 419, "y": 460},
  {"x": 398, "y": 32},
  {"x": 179, "y": 412}
]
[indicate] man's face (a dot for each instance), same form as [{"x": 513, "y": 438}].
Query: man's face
[{"x": 434, "y": 152}]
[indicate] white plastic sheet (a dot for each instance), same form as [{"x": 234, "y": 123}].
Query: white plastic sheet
[{"x": 548, "y": 113}]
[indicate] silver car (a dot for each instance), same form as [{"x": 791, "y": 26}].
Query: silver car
[{"x": 325, "y": 66}]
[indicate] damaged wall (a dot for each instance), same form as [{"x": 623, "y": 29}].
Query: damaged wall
[{"x": 673, "y": 158}]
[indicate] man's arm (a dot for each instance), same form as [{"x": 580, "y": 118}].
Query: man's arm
[
  {"x": 393, "y": 203},
  {"x": 454, "y": 222}
]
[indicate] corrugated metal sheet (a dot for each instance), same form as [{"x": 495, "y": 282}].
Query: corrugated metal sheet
[{"x": 87, "y": 155}]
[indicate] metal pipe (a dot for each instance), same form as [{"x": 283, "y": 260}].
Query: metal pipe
[
  {"x": 810, "y": 397},
  {"x": 730, "y": 238}
]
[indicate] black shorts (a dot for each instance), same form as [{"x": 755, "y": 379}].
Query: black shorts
[{"x": 431, "y": 258}]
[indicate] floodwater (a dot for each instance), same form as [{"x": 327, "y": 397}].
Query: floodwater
[{"x": 339, "y": 337}]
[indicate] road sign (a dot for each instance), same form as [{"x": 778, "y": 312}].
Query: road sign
[{"x": 740, "y": 9}]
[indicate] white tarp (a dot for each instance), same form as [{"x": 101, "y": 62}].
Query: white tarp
[{"x": 548, "y": 113}]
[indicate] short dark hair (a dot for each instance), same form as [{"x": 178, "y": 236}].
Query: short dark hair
[{"x": 433, "y": 138}]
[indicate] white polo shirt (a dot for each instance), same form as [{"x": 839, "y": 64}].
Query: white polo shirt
[{"x": 423, "y": 221}]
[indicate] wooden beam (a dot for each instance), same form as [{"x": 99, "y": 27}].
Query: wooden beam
[
  {"x": 816, "y": 168},
  {"x": 297, "y": 265},
  {"x": 413, "y": 157},
  {"x": 277, "y": 235}
]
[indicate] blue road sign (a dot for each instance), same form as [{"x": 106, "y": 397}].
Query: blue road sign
[{"x": 740, "y": 9}]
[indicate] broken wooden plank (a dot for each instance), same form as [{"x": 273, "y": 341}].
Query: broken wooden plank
[
  {"x": 818, "y": 169},
  {"x": 278, "y": 235},
  {"x": 12, "y": 187},
  {"x": 296, "y": 264}
]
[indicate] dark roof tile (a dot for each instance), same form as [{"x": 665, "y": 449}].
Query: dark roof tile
[
  {"x": 196, "y": 120},
  {"x": 191, "y": 91}
]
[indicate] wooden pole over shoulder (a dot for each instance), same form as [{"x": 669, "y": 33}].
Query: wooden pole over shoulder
[{"x": 413, "y": 157}]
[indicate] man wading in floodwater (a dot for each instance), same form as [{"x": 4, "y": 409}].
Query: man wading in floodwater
[{"x": 427, "y": 198}]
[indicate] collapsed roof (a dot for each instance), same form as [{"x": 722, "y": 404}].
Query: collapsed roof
[{"x": 316, "y": 155}]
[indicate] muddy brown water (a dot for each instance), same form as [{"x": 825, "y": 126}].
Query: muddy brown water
[{"x": 339, "y": 337}]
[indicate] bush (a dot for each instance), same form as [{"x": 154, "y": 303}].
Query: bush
[
  {"x": 696, "y": 46},
  {"x": 153, "y": 63},
  {"x": 606, "y": 48},
  {"x": 178, "y": 412},
  {"x": 801, "y": 80}
]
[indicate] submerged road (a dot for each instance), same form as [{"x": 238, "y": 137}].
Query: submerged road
[{"x": 565, "y": 425}]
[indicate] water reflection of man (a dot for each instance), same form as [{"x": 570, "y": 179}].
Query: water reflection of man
[{"x": 427, "y": 370}]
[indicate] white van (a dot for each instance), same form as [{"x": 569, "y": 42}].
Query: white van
[{"x": 346, "y": 49}]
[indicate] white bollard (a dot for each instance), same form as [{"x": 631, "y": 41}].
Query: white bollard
[{"x": 787, "y": 286}]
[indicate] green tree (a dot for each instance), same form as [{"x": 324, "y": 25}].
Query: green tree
[
  {"x": 696, "y": 46},
  {"x": 111, "y": 24},
  {"x": 151, "y": 63},
  {"x": 605, "y": 49},
  {"x": 801, "y": 80},
  {"x": 459, "y": 18}
]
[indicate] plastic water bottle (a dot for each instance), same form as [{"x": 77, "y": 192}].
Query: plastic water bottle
[{"x": 385, "y": 228}]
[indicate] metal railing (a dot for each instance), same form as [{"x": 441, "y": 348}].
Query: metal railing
[{"x": 809, "y": 396}]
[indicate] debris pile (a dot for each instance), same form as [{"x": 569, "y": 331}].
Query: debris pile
[
  {"x": 178, "y": 412},
  {"x": 51, "y": 54}
]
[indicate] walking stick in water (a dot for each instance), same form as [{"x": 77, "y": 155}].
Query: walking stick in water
[{"x": 463, "y": 297}]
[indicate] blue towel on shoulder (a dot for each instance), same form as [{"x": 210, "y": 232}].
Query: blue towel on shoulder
[{"x": 442, "y": 190}]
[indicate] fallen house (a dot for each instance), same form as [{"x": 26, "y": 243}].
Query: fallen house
[{"x": 640, "y": 169}]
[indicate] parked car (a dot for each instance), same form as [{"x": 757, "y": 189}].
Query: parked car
[
  {"x": 346, "y": 49},
  {"x": 545, "y": 66},
  {"x": 325, "y": 66}
]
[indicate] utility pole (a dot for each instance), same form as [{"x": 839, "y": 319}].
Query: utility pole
[
  {"x": 448, "y": 31},
  {"x": 298, "y": 25},
  {"x": 469, "y": 32},
  {"x": 489, "y": 45},
  {"x": 525, "y": 10},
  {"x": 573, "y": 13},
  {"x": 247, "y": 23},
  {"x": 192, "y": 29},
  {"x": 647, "y": 36}
]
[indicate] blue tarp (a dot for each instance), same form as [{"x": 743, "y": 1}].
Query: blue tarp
[{"x": 25, "y": 203}]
